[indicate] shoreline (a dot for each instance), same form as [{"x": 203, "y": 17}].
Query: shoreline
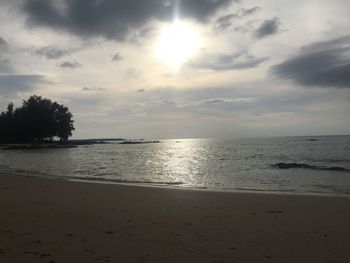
[
  {"x": 207, "y": 189},
  {"x": 64, "y": 221},
  {"x": 176, "y": 186}
]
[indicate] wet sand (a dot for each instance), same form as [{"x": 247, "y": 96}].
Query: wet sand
[{"x": 45, "y": 220}]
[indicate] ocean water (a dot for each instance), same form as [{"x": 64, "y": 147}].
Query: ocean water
[{"x": 287, "y": 164}]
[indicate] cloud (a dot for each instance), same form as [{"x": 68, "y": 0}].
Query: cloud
[
  {"x": 50, "y": 52},
  {"x": 204, "y": 102},
  {"x": 248, "y": 11},
  {"x": 340, "y": 42},
  {"x": 268, "y": 28},
  {"x": 321, "y": 64},
  {"x": 226, "y": 21},
  {"x": 117, "y": 57},
  {"x": 146, "y": 32},
  {"x": 230, "y": 100},
  {"x": 5, "y": 63},
  {"x": 70, "y": 64},
  {"x": 13, "y": 83},
  {"x": 140, "y": 90},
  {"x": 246, "y": 27},
  {"x": 93, "y": 89},
  {"x": 4, "y": 47},
  {"x": 2, "y": 42},
  {"x": 5, "y": 66},
  {"x": 237, "y": 61},
  {"x": 112, "y": 19},
  {"x": 138, "y": 35}
]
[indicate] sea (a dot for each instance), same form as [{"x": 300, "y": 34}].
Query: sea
[{"x": 308, "y": 165}]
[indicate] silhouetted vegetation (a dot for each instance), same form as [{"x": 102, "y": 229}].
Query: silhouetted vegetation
[{"x": 37, "y": 120}]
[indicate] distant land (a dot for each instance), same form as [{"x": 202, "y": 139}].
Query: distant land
[{"x": 71, "y": 143}]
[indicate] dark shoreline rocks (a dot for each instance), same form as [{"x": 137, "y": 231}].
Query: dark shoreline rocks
[
  {"x": 36, "y": 146},
  {"x": 69, "y": 144},
  {"x": 307, "y": 166},
  {"x": 138, "y": 142},
  {"x": 50, "y": 145}
]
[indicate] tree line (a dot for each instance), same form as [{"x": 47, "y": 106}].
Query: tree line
[{"x": 37, "y": 120}]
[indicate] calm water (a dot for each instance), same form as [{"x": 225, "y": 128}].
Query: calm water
[{"x": 244, "y": 164}]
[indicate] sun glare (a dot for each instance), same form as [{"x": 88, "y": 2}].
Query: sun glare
[{"x": 177, "y": 43}]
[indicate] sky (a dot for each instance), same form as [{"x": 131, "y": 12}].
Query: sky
[{"x": 182, "y": 69}]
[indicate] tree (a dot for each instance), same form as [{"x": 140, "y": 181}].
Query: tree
[
  {"x": 38, "y": 120},
  {"x": 64, "y": 123}
]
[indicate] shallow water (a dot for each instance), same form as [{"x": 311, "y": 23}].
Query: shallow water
[{"x": 310, "y": 166}]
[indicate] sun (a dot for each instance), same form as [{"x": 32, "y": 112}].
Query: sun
[{"x": 177, "y": 43}]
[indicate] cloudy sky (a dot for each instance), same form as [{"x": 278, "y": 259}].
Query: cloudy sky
[{"x": 182, "y": 69}]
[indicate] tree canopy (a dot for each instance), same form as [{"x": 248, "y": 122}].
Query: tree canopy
[{"x": 37, "y": 120}]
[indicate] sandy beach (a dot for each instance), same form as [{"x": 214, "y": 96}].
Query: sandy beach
[{"x": 45, "y": 220}]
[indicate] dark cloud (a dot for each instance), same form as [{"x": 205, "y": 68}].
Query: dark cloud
[
  {"x": 2, "y": 42},
  {"x": 5, "y": 64},
  {"x": 4, "y": 47},
  {"x": 13, "y": 83},
  {"x": 70, "y": 64},
  {"x": 226, "y": 21},
  {"x": 248, "y": 11},
  {"x": 93, "y": 89},
  {"x": 322, "y": 64},
  {"x": 112, "y": 19},
  {"x": 236, "y": 61},
  {"x": 268, "y": 28},
  {"x": 325, "y": 45},
  {"x": 117, "y": 57},
  {"x": 246, "y": 27},
  {"x": 50, "y": 52}
]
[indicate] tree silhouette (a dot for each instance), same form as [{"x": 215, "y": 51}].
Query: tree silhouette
[{"x": 38, "y": 120}]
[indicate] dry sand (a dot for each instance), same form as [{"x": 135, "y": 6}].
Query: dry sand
[{"x": 45, "y": 220}]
